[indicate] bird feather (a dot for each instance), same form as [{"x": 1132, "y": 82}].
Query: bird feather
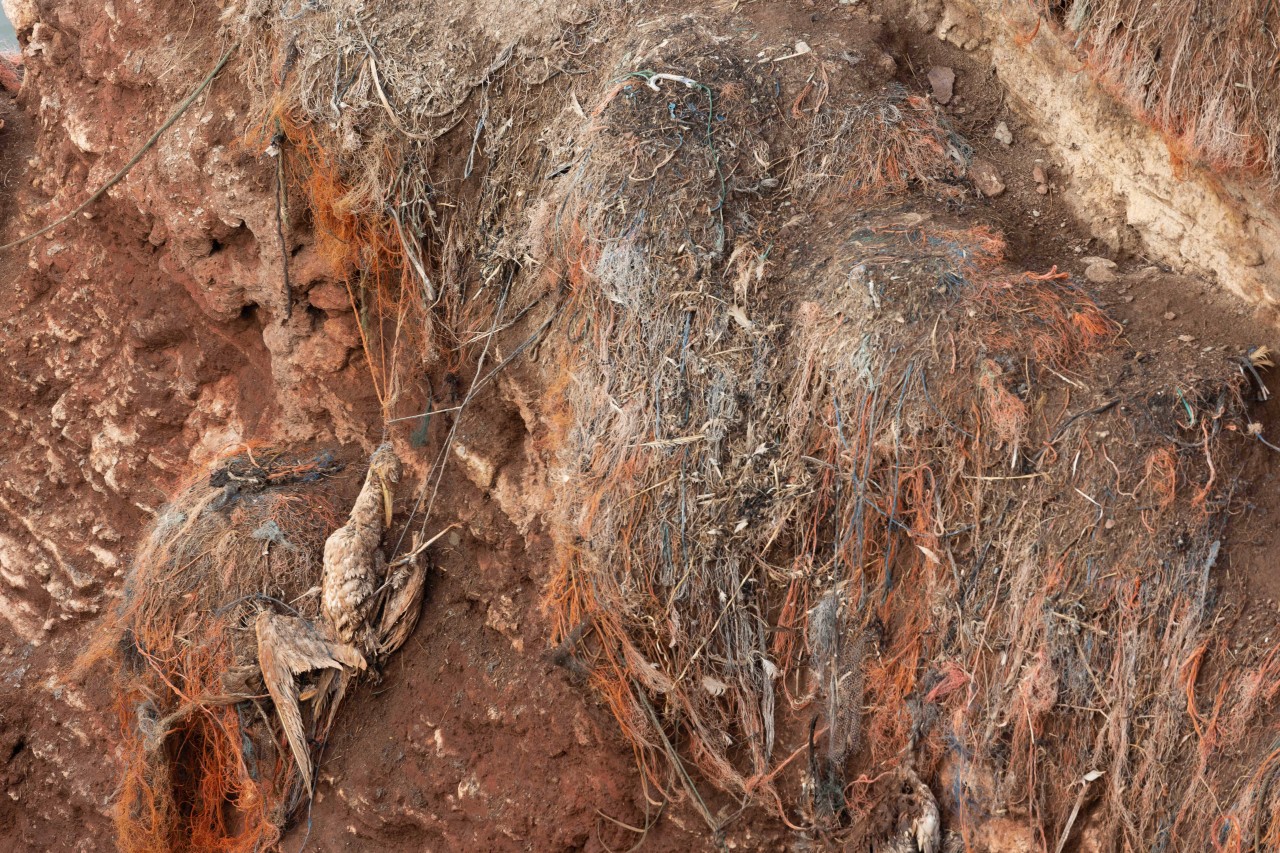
[
  {"x": 288, "y": 647},
  {"x": 401, "y": 610}
]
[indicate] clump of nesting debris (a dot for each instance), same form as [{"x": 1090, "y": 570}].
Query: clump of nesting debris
[
  {"x": 866, "y": 524},
  {"x": 230, "y": 649}
]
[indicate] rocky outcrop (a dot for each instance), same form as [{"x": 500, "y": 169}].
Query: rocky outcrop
[
  {"x": 1125, "y": 178},
  {"x": 147, "y": 334}
]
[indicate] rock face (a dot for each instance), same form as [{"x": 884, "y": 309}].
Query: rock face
[
  {"x": 1125, "y": 180},
  {"x": 151, "y": 334},
  {"x": 21, "y": 13},
  {"x": 143, "y": 336},
  {"x": 156, "y": 330}
]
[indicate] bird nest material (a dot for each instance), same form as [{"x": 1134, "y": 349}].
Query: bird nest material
[
  {"x": 226, "y": 603},
  {"x": 888, "y": 487},
  {"x": 854, "y": 519}
]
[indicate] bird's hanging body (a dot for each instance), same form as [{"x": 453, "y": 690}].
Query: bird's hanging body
[
  {"x": 288, "y": 647},
  {"x": 354, "y": 565},
  {"x": 366, "y": 614}
]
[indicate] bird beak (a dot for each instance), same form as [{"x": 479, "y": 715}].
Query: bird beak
[{"x": 386, "y": 499}]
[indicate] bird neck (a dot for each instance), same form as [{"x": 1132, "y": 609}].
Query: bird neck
[{"x": 368, "y": 508}]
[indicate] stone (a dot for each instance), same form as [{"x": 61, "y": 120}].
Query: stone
[
  {"x": 502, "y": 616},
  {"x": 959, "y": 26},
  {"x": 943, "y": 80},
  {"x": 479, "y": 470},
  {"x": 330, "y": 296},
  {"x": 23, "y": 14},
  {"x": 1002, "y": 134},
  {"x": 986, "y": 178},
  {"x": 327, "y": 351},
  {"x": 1100, "y": 272}
]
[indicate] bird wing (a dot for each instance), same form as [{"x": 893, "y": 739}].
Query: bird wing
[
  {"x": 287, "y": 647},
  {"x": 302, "y": 647},
  {"x": 400, "y": 613}
]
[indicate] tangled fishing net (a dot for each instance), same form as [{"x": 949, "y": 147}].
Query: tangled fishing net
[
  {"x": 857, "y": 478},
  {"x": 206, "y": 768},
  {"x": 851, "y": 516}
]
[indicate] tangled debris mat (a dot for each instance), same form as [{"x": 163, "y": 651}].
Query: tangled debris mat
[{"x": 854, "y": 520}]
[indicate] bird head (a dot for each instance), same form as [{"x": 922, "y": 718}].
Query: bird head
[
  {"x": 385, "y": 464},
  {"x": 384, "y": 467}
]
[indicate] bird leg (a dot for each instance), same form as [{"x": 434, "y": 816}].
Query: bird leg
[{"x": 418, "y": 547}]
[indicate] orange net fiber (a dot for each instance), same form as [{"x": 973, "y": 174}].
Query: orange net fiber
[{"x": 203, "y": 772}]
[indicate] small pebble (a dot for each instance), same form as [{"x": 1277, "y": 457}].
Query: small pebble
[
  {"x": 1099, "y": 271},
  {"x": 1169, "y": 315},
  {"x": 943, "y": 80},
  {"x": 1002, "y": 134},
  {"x": 986, "y": 178}
]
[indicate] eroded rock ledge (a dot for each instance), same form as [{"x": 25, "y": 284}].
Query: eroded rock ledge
[{"x": 1126, "y": 181}]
